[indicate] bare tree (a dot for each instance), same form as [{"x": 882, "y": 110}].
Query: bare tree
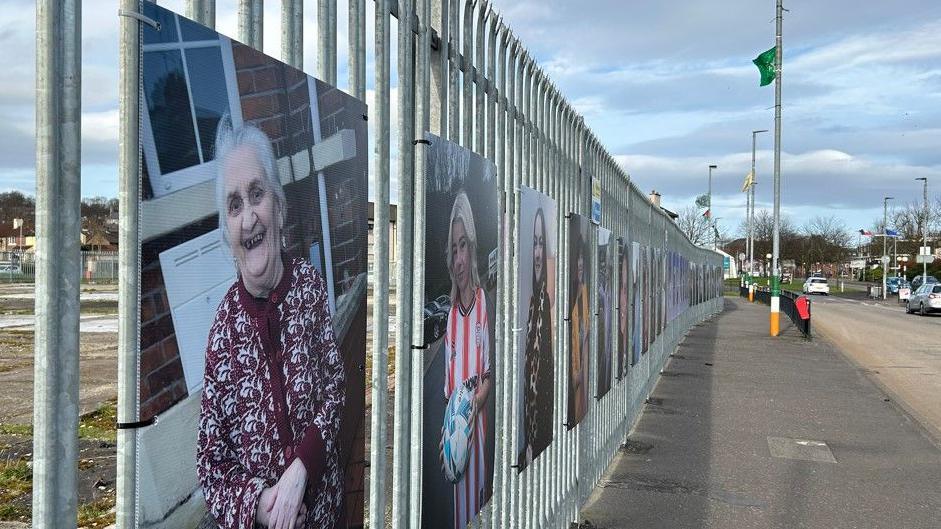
[
  {"x": 696, "y": 226},
  {"x": 825, "y": 240}
]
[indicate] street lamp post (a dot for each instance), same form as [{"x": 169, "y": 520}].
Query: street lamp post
[
  {"x": 924, "y": 230},
  {"x": 709, "y": 210},
  {"x": 885, "y": 231},
  {"x": 750, "y": 213}
]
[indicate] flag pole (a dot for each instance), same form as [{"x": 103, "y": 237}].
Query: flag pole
[{"x": 776, "y": 249}]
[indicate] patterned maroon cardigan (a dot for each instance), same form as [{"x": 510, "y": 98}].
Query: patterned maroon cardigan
[{"x": 273, "y": 391}]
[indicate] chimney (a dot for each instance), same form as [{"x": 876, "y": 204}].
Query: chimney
[{"x": 655, "y": 198}]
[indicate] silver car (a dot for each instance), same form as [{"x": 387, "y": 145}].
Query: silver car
[{"x": 926, "y": 299}]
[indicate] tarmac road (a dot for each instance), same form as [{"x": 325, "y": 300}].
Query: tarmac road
[{"x": 898, "y": 351}]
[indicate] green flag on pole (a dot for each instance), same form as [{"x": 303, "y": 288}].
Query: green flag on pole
[{"x": 765, "y": 64}]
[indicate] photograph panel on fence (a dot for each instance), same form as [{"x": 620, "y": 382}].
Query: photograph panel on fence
[
  {"x": 637, "y": 305},
  {"x": 461, "y": 252},
  {"x": 253, "y": 287},
  {"x": 579, "y": 313},
  {"x": 535, "y": 310},
  {"x": 646, "y": 285},
  {"x": 624, "y": 309},
  {"x": 606, "y": 304}
]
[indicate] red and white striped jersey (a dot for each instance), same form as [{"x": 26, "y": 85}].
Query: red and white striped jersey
[{"x": 467, "y": 346}]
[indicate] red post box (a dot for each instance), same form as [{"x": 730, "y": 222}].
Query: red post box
[{"x": 803, "y": 307}]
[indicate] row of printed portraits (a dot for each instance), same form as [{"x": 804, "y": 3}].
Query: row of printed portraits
[
  {"x": 461, "y": 259},
  {"x": 253, "y": 296}
]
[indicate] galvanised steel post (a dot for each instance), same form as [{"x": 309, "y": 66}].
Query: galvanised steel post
[
  {"x": 467, "y": 67},
  {"x": 494, "y": 35},
  {"x": 128, "y": 267},
  {"x": 292, "y": 40},
  {"x": 380, "y": 352},
  {"x": 924, "y": 230},
  {"x": 332, "y": 30},
  {"x": 357, "y": 48},
  {"x": 483, "y": 11},
  {"x": 776, "y": 252},
  {"x": 250, "y": 29},
  {"x": 422, "y": 92},
  {"x": 885, "y": 231},
  {"x": 503, "y": 150},
  {"x": 751, "y": 218},
  {"x": 519, "y": 146},
  {"x": 323, "y": 38},
  {"x": 454, "y": 67},
  {"x": 405, "y": 230},
  {"x": 58, "y": 262}
]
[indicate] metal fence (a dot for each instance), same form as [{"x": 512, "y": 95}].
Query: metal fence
[
  {"x": 461, "y": 74},
  {"x": 473, "y": 83},
  {"x": 789, "y": 302},
  {"x": 96, "y": 267}
]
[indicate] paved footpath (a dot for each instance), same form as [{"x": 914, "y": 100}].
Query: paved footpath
[{"x": 748, "y": 431}]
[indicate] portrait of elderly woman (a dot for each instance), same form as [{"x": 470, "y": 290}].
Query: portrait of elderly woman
[
  {"x": 535, "y": 317},
  {"x": 274, "y": 383}
]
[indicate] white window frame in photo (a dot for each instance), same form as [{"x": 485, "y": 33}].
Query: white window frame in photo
[{"x": 164, "y": 184}]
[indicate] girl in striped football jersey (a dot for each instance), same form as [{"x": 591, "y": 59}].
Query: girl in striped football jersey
[{"x": 467, "y": 350}]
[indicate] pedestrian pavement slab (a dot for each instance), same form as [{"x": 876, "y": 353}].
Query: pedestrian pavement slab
[{"x": 746, "y": 430}]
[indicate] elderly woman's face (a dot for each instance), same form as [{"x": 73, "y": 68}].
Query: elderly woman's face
[
  {"x": 460, "y": 256},
  {"x": 253, "y": 220}
]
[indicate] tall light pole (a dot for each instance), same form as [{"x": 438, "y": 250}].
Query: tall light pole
[
  {"x": 709, "y": 210},
  {"x": 775, "y": 316},
  {"x": 750, "y": 213},
  {"x": 924, "y": 231},
  {"x": 751, "y": 193},
  {"x": 885, "y": 231}
]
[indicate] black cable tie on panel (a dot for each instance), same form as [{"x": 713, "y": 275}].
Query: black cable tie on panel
[
  {"x": 419, "y": 347},
  {"x": 514, "y": 466},
  {"x": 365, "y": 117},
  {"x": 416, "y": 142},
  {"x": 140, "y": 18},
  {"x": 568, "y": 215},
  {"x": 136, "y": 424},
  {"x": 566, "y": 319},
  {"x": 565, "y": 424}
]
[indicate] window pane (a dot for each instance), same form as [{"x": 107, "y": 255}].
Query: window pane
[
  {"x": 167, "y": 31},
  {"x": 193, "y": 31},
  {"x": 169, "y": 107},
  {"x": 210, "y": 97}
]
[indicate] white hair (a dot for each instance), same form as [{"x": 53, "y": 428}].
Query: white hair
[{"x": 228, "y": 139}]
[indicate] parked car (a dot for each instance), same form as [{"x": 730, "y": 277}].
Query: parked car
[
  {"x": 892, "y": 284},
  {"x": 917, "y": 281},
  {"x": 924, "y": 300},
  {"x": 10, "y": 269},
  {"x": 435, "y": 313},
  {"x": 816, "y": 285}
]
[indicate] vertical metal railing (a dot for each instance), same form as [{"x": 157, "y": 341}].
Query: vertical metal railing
[
  {"x": 490, "y": 96},
  {"x": 58, "y": 261}
]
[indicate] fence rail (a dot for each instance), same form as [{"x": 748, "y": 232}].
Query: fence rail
[
  {"x": 463, "y": 75},
  {"x": 96, "y": 267},
  {"x": 789, "y": 306}
]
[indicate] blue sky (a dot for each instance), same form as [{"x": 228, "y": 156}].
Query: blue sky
[{"x": 668, "y": 88}]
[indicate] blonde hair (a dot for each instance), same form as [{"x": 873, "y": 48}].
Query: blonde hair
[{"x": 461, "y": 211}]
